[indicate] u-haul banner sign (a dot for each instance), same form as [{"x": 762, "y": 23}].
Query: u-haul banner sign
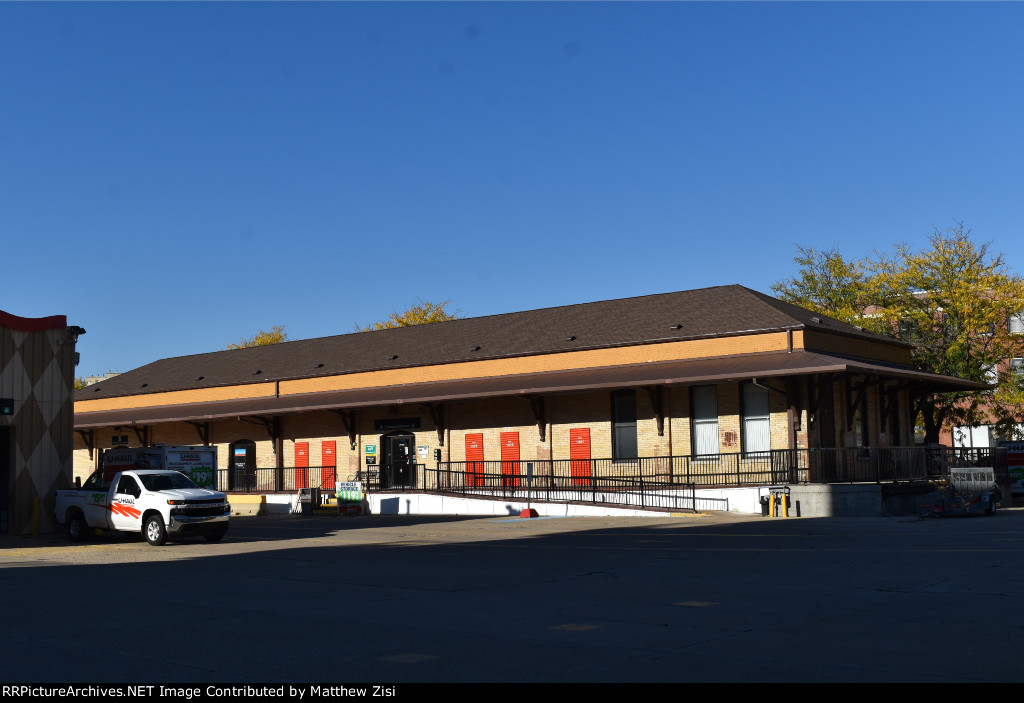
[{"x": 1015, "y": 463}]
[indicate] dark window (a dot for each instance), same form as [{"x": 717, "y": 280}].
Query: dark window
[
  {"x": 128, "y": 486},
  {"x": 95, "y": 482},
  {"x": 704, "y": 401},
  {"x": 624, "y": 445},
  {"x": 757, "y": 434}
]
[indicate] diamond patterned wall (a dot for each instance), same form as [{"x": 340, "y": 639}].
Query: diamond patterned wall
[{"x": 37, "y": 371}]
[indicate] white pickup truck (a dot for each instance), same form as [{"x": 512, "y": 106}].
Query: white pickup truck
[{"x": 157, "y": 503}]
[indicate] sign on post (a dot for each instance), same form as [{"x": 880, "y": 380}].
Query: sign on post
[{"x": 350, "y": 497}]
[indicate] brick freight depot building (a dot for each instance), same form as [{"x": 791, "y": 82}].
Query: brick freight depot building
[{"x": 717, "y": 376}]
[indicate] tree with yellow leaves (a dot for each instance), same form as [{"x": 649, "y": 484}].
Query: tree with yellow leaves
[
  {"x": 421, "y": 314},
  {"x": 952, "y": 301},
  {"x": 274, "y": 335}
]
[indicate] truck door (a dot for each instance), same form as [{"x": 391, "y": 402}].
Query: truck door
[
  {"x": 124, "y": 513},
  {"x": 95, "y": 504}
]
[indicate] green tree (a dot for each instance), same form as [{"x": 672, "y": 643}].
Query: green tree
[
  {"x": 79, "y": 383},
  {"x": 274, "y": 335},
  {"x": 420, "y": 314},
  {"x": 951, "y": 301}
]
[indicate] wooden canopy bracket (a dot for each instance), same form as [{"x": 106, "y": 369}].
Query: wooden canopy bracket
[
  {"x": 890, "y": 399},
  {"x": 437, "y": 417},
  {"x": 271, "y": 425},
  {"x": 203, "y": 430},
  {"x": 89, "y": 438},
  {"x": 537, "y": 405},
  {"x": 854, "y": 397},
  {"x": 141, "y": 434},
  {"x": 657, "y": 397},
  {"x": 767, "y": 385},
  {"x": 348, "y": 418}
]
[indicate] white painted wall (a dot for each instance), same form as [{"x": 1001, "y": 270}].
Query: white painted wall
[{"x": 738, "y": 500}]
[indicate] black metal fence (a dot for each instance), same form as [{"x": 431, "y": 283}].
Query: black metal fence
[
  {"x": 293, "y": 478},
  {"x": 472, "y": 479},
  {"x": 647, "y": 477},
  {"x": 842, "y": 465},
  {"x": 891, "y": 464}
]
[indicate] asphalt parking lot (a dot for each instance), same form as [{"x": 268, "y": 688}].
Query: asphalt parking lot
[{"x": 391, "y": 599}]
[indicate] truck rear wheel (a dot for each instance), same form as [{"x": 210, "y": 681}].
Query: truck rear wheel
[
  {"x": 154, "y": 530},
  {"x": 78, "y": 529}
]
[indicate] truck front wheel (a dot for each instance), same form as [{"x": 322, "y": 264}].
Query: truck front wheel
[
  {"x": 154, "y": 530},
  {"x": 78, "y": 530}
]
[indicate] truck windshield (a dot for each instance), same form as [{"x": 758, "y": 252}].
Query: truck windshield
[{"x": 166, "y": 482}]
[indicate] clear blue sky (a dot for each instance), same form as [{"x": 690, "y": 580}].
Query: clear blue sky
[{"x": 175, "y": 176}]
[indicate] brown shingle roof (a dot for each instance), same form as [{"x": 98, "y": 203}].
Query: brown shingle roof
[
  {"x": 693, "y": 371},
  {"x": 702, "y": 313}
]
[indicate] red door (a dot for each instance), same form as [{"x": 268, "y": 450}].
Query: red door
[
  {"x": 579, "y": 454},
  {"x": 301, "y": 465},
  {"x": 475, "y": 459},
  {"x": 328, "y": 462},
  {"x": 510, "y": 459}
]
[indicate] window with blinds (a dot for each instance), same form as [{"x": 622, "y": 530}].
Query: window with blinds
[
  {"x": 757, "y": 434},
  {"x": 704, "y": 401}
]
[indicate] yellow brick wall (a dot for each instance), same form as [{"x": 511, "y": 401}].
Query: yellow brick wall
[
  {"x": 224, "y": 432},
  {"x": 492, "y": 417},
  {"x": 679, "y": 421}
]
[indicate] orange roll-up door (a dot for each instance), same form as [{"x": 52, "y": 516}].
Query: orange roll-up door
[
  {"x": 579, "y": 454},
  {"x": 475, "y": 459},
  {"x": 301, "y": 465},
  {"x": 328, "y": 462},
  {"x": 510, "y": 458}
]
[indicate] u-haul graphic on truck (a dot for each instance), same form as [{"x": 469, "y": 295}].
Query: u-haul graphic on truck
[{"x": 198, "y": 463}]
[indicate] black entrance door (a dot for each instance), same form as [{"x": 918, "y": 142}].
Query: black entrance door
[
  {"x": 398, "y": 461},
  {"x": 242, "y": 472}
]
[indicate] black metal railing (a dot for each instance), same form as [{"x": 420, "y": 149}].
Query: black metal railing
[
  {"x": 645, "y": 476},
  {"x": 472, "y": 479},
  {"x": 293, "y": 478},
  {"x": 891, "y": 464},
  {"x": 840, "y": 465},
  {"x": 273, "y": 480}
]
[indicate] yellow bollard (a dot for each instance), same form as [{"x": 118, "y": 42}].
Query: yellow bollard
[
  {"x": 771, "y": 506},
  {"x": 785, "y": 506}
]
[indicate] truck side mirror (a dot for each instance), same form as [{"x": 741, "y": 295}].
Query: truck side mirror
[{"x": 78, "y": 481}]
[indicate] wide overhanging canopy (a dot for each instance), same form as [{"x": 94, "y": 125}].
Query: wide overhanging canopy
[{"x": 684, "y": 373}]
